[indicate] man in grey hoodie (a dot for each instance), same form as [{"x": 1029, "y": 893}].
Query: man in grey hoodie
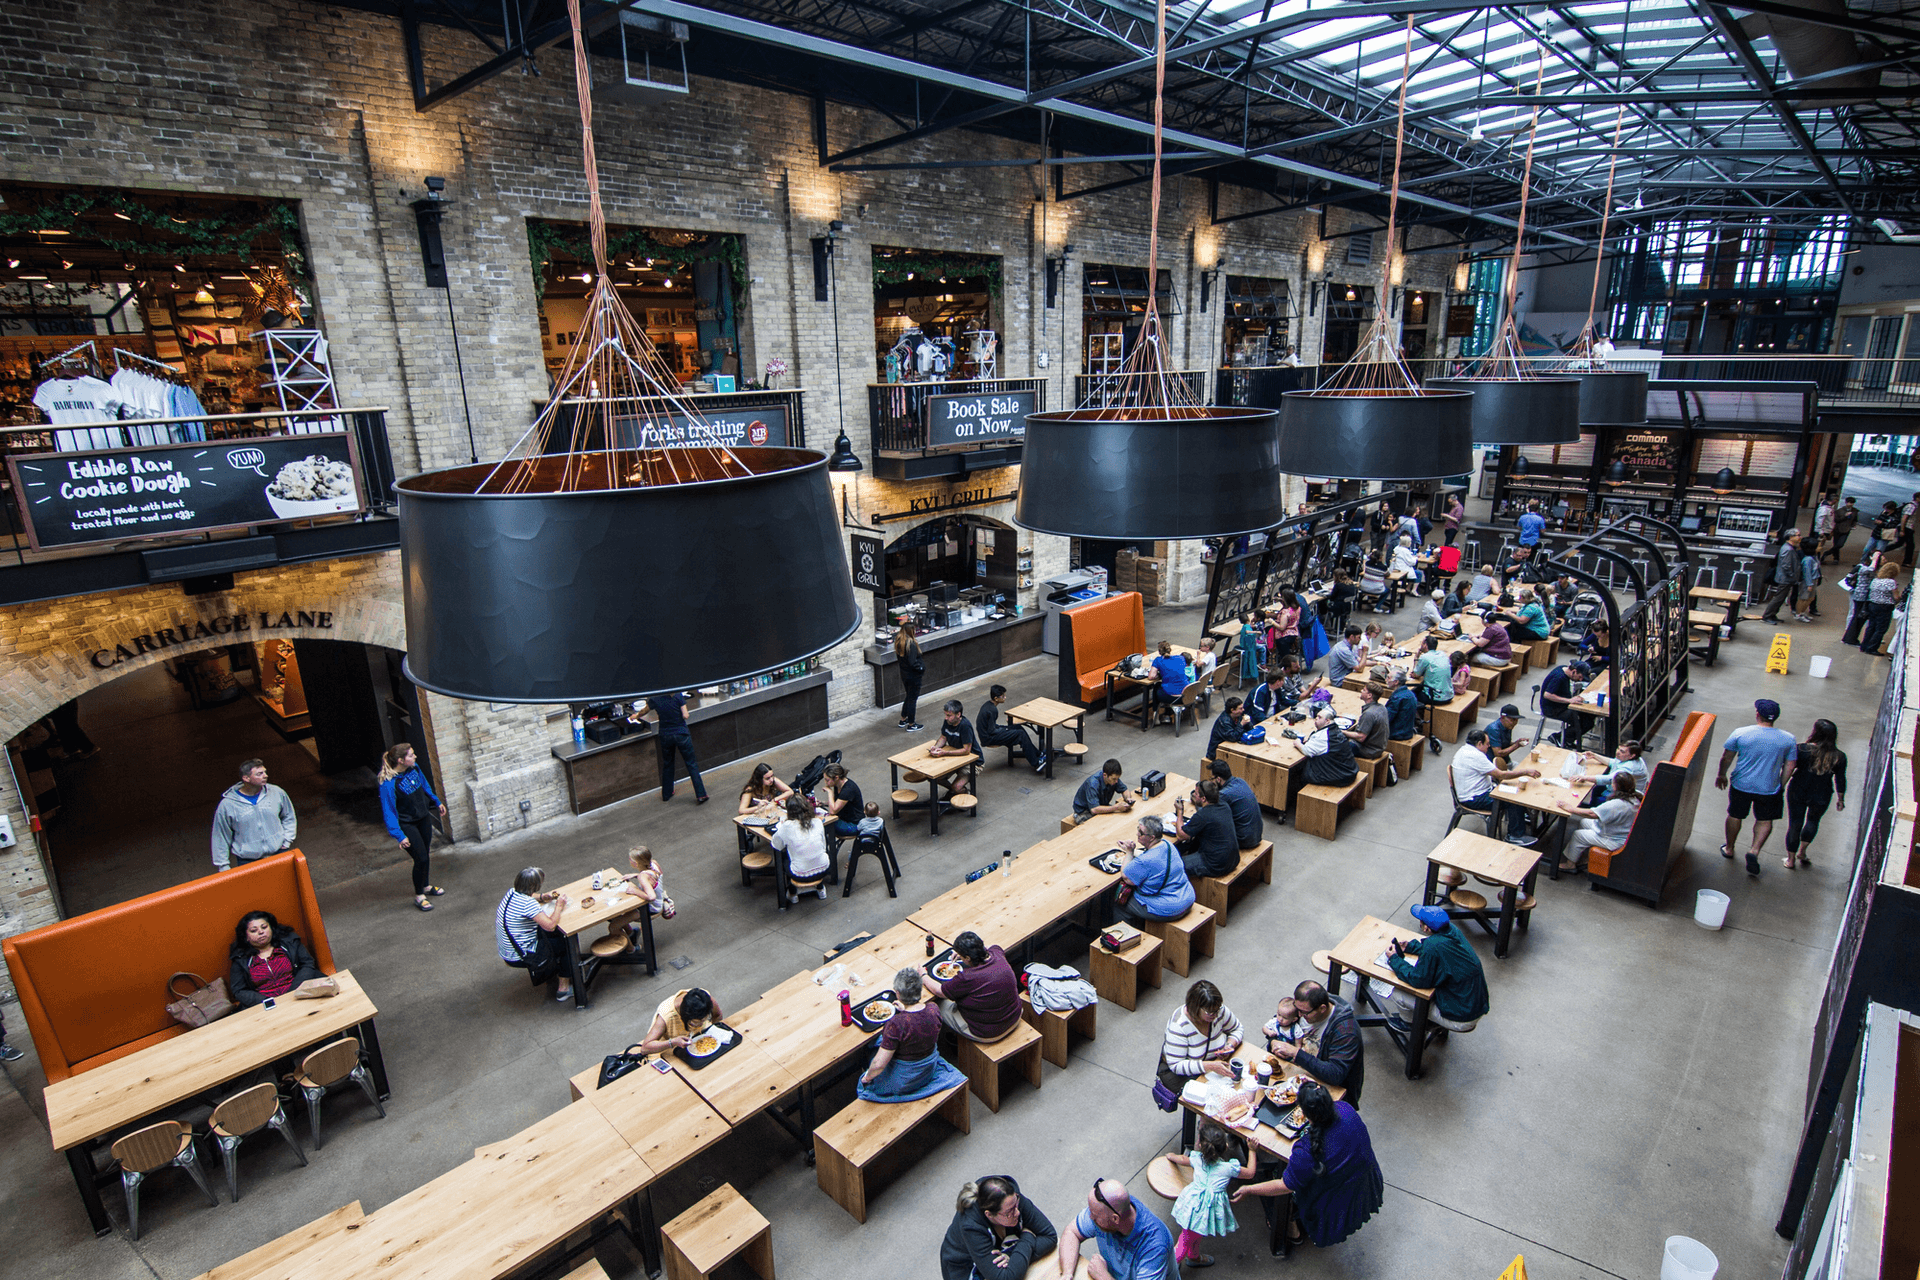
[{"x": 254, "y": 819}]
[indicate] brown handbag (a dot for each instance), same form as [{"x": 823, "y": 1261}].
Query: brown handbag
[{"x": 207, "y": 1002}]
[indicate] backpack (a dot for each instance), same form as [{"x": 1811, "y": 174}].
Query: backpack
[{"x": 809, "y": 778}]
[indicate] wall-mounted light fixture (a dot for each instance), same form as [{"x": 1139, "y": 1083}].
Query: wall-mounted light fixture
[
  {"x": 1207, "y": 279},
  {"x": 1056, "y": 272}
]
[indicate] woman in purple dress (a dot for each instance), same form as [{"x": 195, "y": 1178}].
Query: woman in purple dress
[{"x": 1335, "y": 1181}]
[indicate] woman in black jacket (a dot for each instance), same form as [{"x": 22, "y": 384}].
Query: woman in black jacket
[
  {"x": 912, "y": 669},
  {"x": 996, "y": 1233},
  {"x": 268, "y": 959}
]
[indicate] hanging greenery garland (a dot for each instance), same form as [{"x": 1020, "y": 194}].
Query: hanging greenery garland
[
  {"x": 234, "y": 235},
  {"x": 896, "y": 268},
  {"x": 548, "y": 241}
]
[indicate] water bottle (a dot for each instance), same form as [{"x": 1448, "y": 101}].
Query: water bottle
[
  {"x": 579, "y": 727},
  {"x": 1006, "y": 865}
]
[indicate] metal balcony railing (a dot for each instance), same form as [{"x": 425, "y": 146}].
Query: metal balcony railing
[{"x": 898, "y": 410}]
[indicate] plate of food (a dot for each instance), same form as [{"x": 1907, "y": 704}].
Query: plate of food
[
  {"x": 1345, "y": 722},
  {"x": 879, "y": 1010},
  {"x": 1285, "y": 1093},
  {"x": 944, "y": 970},
  {"x": 708, "y": 1045},
  {"x": 704, "y": 1045},
  {"x": 1236, "y": 1113},
  {"x": 1108, "y": 862}
]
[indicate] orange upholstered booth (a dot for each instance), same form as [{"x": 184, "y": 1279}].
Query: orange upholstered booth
[
  {"x": 1093, "y": 637},
  {"x": 1660, "y": 830},
  {"x": 93, "y": 988}
]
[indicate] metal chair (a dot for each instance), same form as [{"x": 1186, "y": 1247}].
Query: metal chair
[
  {"x": 150, "y": 1150},
  {"x": 1461, "y": 811},
  {"x": 1707, "y": 576},
  {"x": 332, "y": 1065},
  {"x": 1187, "y": 703},
  {"x": 243, "y": 1115}
]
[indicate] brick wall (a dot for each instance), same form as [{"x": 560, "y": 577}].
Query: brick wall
[{"x": 283, "y": 99}]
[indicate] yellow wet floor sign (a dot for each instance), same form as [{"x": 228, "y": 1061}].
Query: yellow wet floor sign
[
  {"x": 1518, "y": 1271},
  {"x": 1777, "y": 653}
]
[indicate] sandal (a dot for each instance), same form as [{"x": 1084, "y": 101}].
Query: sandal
[
  {"x": 422, "y": 903},
  {"x": 1726, "y": 853},
  {"x": 1787, "y": 862},
  {"x": 434, "y": 891}
]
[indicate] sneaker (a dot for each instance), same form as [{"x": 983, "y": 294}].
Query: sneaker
[
  {"x": 10, "y": 1054},
  {"x": 911, "y": 728},
  {"x": 1040, "y": 763},
  {"x": 1524, "y": 842},
  {"x": 1399, "y": 1024}
]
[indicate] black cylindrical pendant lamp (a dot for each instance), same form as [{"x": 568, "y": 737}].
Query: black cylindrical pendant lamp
[
  {"x": 1086, "y": 473},
  {"x": 1416, "y": 436},
  {"x": 1612, "y": 397},
  {"x": 594, "y": 594},
  {"x": 1520, "y": 410}
]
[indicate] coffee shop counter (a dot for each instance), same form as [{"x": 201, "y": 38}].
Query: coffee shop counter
[
  {"x": 723, "y": 729},
  {"x": 957, "y": 655}
]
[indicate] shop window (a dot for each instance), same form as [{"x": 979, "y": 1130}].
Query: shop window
[
  {"x": 119, "y": 305},
  {"x": 1259, "y": 312},
  {"x": 1419, "y": 318},
  {"x": 686, "y": 289},
  {"x": 951, "y": 570},
  {"x": 1349, "y": 312},
  {"x": 1486, "y": 277},
  {"x": 1113, "y": 304},
  {"x": 935, "y": 315}
]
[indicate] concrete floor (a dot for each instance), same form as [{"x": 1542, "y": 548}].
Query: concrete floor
[{"x": 1638, "y": 1076}]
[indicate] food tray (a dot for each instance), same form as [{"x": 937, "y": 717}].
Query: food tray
[
  {"x": 1100, "y": 861},
  {"x": 949, "y": 956},
  {"x": 698, "y": 1061},
  {"x": 860, "y": 1009},
  {"x": 1286, "y": 1120}
]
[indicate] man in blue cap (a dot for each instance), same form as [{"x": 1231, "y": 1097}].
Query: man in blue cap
[
  {"x": 1757, "y": 760},
  {"x": 1445, "y": 961}
]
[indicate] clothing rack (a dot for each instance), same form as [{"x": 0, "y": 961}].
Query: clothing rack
[
  {"x": 73, "y": 353},
  {"x": 157, "y": 368}
]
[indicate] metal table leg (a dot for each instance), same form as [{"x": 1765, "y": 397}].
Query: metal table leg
[
  {"x": 577, "y": 971},
  {"x": 1417, "y": 1040},
  {"x": 81, "y": 1162},
  {"x": 1509, "y": 898},
  {"x": 376, "y": 1061}
]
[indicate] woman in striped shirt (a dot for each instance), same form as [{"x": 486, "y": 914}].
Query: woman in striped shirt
[{"x": 1201, "y": 1036}]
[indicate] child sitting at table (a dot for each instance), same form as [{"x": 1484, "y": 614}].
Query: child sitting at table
[
  {"x": 870, "y": 824},
  {"x": 1462, "y": 672},
  {"x": 1284, "y": 1026}
]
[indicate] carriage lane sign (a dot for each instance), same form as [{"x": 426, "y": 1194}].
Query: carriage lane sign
[{"x": 976, "y": 419}]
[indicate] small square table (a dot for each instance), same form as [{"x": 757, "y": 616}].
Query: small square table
[
  {"x": 579, "y": 917},
  {"x": 1512, "y": 866},
  {"x": 936, "y": 768},
  {"x": 1357, "y": 952},
  {"x": 1046, "y": 715}
]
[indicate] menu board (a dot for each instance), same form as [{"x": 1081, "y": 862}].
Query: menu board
[
  {"x": 1649, "y": 448},
  {"x": 113, "y": 495},
  {"x": 1766, "y": 456}
]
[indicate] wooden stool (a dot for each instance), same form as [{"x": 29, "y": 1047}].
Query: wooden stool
[
  {"x": 911, "y": 776},
  {"x": 1218, "y": 893},
  {"x": 722, "y": 1226},
  {"x": 610, "y": 946},
  {"x": 966, "y": 802},
  {"x": 1075, "y": 752},
  {"x": 1118, "y": 977},
  {"x": 1187, "y": 937},
  {"x": 1056, "y": 1027},
  {"x": 1316, "y": 809},
  {"x": 1373, "y": 773},
  {"x": 1409, "y": 754},
  {"x": 1067, "y": 824},
  {"x": 982, "y": 1062},
  {"x": 1452, "y": 875},
  {"x": 903, "y": 796},
  {"x": 1323, "y": 961},
  {"x": 846, "y": 1145},
  {"x": 1168, "y": 1179},
  {"x": 1469, "y": 899}
]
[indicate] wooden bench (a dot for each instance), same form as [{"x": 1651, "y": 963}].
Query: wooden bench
[
  {"x": 1373, "y": 773},
  {"x": 1056, "y": 1028},
  {"x": 1218, "y": 893},
  {"x": 1117, "y": 976},
  {"x": 1491, "y": 682},
  {"x": 723, "y": 1225},
  {"x": 1316, "y": 810},
  {"x": 1449, "y": 718},
  {"x": 1409, "y": 754},
  {"x": 1541, "y": 653},
  {"x": 846, "y": 1146},
  {"x": 1189, "y": 936},
  {"x": 982, "y": 1062}
]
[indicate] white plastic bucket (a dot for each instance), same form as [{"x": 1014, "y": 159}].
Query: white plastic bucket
[
  {"x": 1687, "y": 1259},
  {"x": 1817, "y": 666},
  {"x": 1710, "y": 911}
]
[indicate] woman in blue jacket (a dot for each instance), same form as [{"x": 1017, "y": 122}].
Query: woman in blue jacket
[{"x": 407, "y": 803}]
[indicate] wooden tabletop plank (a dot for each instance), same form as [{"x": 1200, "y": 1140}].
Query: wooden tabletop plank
[
  {"x": 251, "y": 1266},
  {"x": 1544, "y": 794},
  {"x": 1715, "y": 593},
  {"x": 99, "y": 1101},
  {"x": 917, "y": 759},
  {"x": 1369, "y": 939},
  {"x": 1480, "y": 855},
  {"x": 1048, "y": 713},
  {"x": 589, "y": 908},
  {"x": 742, "y": 1082},
  {"x": 656, "y": 1112}
]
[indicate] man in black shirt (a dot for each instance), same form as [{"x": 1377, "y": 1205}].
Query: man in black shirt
[
  {"x": 1227, "y": 727},
  {"x": 956, "y": 739},
  {"x": 995, "y": 734},
  {"x": 1206, "y": 837},
  {"x": 1239, "y": 799},
  {"x": 1561, "y": 686},
  {"x": 675, "y": 738}
]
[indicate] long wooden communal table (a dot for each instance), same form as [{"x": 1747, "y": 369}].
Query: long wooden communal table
[
  {"x": 580, "y": 917},
  {"x": 1357, "y": 951},
  {"x": 494, "y": 1214},
  {"x": 1051, "y": 882},
  {"x": 88, "y": 1106},
  {"x": 1267, "y": 766},
  {"x": 936, "y": 769}
]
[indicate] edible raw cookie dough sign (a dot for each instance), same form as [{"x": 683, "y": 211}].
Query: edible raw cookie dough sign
[{"x": 112, "y": 496}]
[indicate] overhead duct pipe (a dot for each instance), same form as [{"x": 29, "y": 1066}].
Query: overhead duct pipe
[{"x": 1811, "y": 48}]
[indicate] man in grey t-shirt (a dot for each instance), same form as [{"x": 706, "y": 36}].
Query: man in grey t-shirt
[{"x": 1369, "y": 732}]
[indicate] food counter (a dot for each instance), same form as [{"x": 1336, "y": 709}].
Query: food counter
[
  {"x": 724, "y": 730},
  {"x": 956, "y": 655}
]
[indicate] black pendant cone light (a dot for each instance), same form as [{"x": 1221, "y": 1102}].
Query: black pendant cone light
[
  {"x": 599, "y": 559},
  {"x": 1372, "y": 420},
  {"x": 1146, "y": 461},
  {"x": 1511, "y": 403}
]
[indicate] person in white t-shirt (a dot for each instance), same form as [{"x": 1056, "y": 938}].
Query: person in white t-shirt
[{"x": 1474, "y": 776}]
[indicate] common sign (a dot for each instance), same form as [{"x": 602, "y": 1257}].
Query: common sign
[
  {"x": 159, "y": 491},
  {"x": 977, "y": 419},
  {"x": 764, "y": 425}
]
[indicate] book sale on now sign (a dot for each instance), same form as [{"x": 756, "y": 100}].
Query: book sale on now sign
[{"x": 70, "y": 499}]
